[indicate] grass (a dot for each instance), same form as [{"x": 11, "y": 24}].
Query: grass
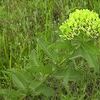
[{"x": 33, "y": 59}]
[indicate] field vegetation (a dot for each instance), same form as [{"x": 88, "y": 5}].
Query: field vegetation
[{"x": 36, "y": 62}]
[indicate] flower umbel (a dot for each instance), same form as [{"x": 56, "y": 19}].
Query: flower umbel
[{"x": 83, "y": 22}]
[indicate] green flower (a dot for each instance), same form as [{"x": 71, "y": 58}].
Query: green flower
[{"x": 83, "y": 23}]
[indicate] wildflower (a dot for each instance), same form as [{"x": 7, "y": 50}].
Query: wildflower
[{"x": 81, "y": 23}]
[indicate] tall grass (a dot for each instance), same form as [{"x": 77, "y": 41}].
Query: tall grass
[{"x": 33, "y": 25}]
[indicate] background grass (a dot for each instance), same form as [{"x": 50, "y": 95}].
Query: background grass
[{"x": 23, "y": 23}]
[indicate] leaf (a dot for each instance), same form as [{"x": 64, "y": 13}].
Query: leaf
[
  {"x": 34, "y": 84},
  {"x": 73, "y": 75},
  {"x": 33, "y": 59},
  {"x": 40, "y": 69},
  {"x": 59, "y": 74},
  {"x": 45, "y": 90},
  {"x": 89, "y": 53},
  {"x": 44, "y": 46},
  {"x": 19, "y": 80},
  {"x": 69, "y": 74},
  {"x": 47, "y": 69}
]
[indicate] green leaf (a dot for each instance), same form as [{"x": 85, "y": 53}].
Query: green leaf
[
  {"x": 73, "y": 75},
  {"x": 34, "y": 84},
  {"x": 45, "y": 90},
  {"x": 69, "y": 74},
  {"x": 19, "y": 80},
  {"x": 90, "y": 54},
  {"x": 44, "y": 46},
  {"x": 33, "y": 59},
  {"x": 59, "y": 74}
]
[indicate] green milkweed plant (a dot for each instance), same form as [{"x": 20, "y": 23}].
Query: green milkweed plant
[
  {"x": 84, "y": 26},
  {"x": 82, "y": 32}
]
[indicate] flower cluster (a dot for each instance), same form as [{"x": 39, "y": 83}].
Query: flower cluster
[{"x": 83, "y": 22}]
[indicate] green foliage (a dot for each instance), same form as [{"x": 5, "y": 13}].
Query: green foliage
[
  {"x": 83, "y": 25},
  {"x": 35, "y": 64}
]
